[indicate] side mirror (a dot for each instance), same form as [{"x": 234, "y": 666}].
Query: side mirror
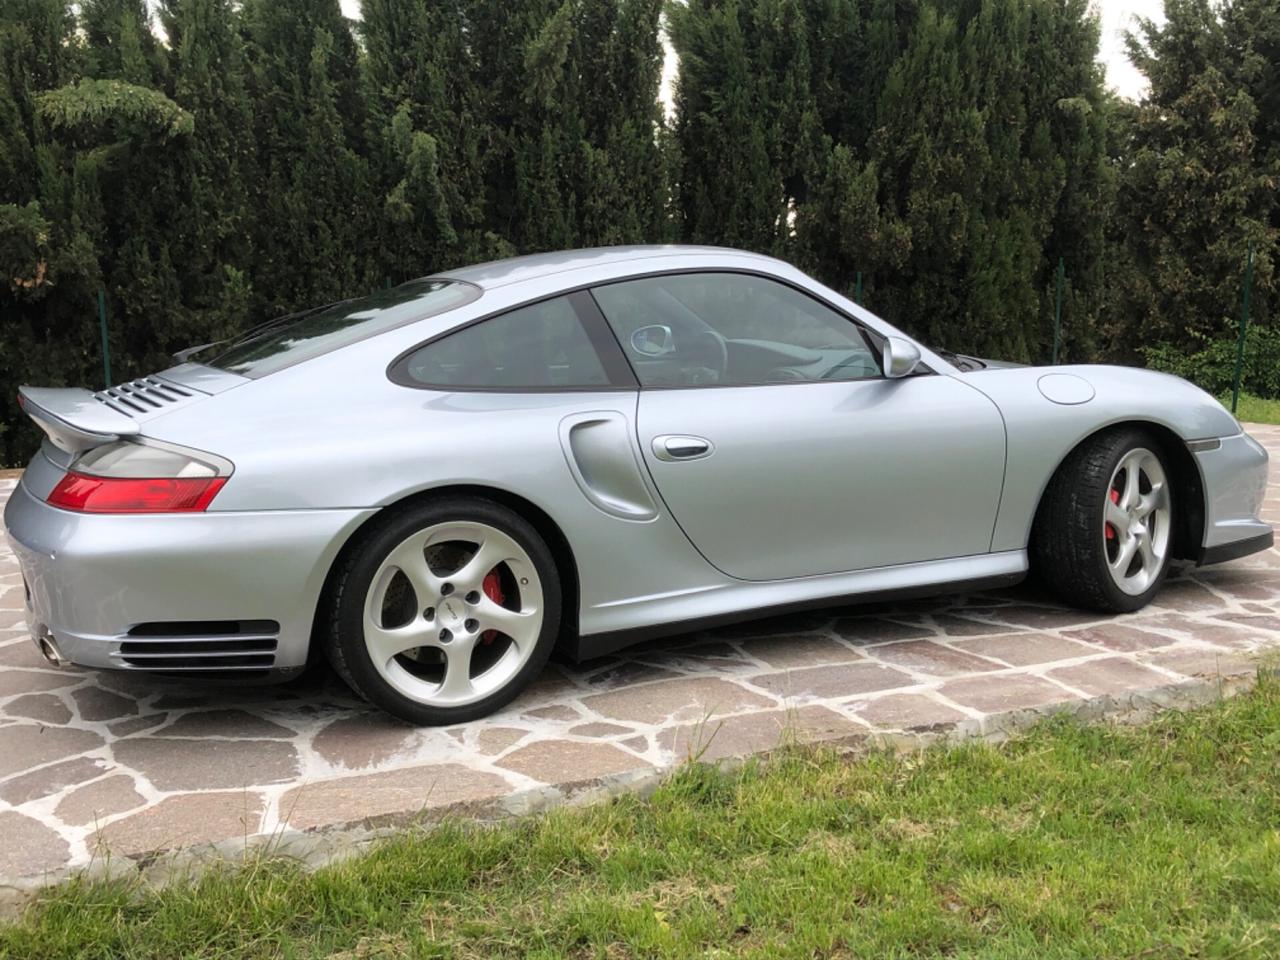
[
  {"x": 901, "y": 357},
  {"x": 654, "y": 340}
]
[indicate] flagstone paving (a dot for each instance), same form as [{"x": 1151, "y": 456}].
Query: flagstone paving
[{"x": 113, "y": 768}]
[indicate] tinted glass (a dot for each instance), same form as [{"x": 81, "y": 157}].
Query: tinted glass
[
  {"x": 539, "y": 346},
  {"x": 301, "y": 336},
  {"x": 699, "y": 329}
]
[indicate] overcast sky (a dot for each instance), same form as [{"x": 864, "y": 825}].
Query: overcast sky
[{"x": 1116, "y": 16}]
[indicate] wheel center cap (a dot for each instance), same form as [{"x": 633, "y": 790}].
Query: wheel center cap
[{"x": 451, "y": 614}]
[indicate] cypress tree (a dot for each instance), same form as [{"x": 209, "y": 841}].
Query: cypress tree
[
  {"x": 1197, "y": 186},
  {"x": 425, "y": 130},
  {"x": 841, "y": 230},
  {"x": 210, "y": 241},
  {"x": 625, "y": 187},
  {"x": 312, "y": 200},
  {"x": 49, "y": 214},
  {"x": 983, "y": 161},
  {"x": 520, "y": 155},
  {"x": 1074, "y": 111},
  {"x": 133, "y": 166},
  {"x": 569, "y": 88},
  {"x": 731, "y": 188},
  {"x": 1251, "y": 29},
  {"x": 932, "y": 162},
  {"x": 120, "y": 43}
]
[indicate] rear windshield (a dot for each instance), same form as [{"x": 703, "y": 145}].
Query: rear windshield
[{"x": 300, "y": 336}]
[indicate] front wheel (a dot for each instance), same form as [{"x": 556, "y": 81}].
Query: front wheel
[
  {"x": 1103, "y": 535},
  {"x": 444, "y": 611}
]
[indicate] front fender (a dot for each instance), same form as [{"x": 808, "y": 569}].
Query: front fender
[{"x": 1042, "y": 431}]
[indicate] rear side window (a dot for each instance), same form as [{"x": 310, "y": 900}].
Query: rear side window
[
  {"x": 291, "y": 339},
  {"x": 541, "y": 346}
]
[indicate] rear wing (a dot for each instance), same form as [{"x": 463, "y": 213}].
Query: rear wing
[{"x": 74, "y": 419}]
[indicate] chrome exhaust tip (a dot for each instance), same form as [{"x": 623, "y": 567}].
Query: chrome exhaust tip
[{"x": 49, "y": 650}]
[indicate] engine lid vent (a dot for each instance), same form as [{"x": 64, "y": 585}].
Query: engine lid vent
[{"x": 147, "y": 396}]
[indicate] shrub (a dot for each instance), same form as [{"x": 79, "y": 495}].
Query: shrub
[{"x": 1213, "y": 367}]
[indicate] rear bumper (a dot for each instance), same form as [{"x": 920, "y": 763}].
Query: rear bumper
[
  {"x": 1235, "y": 483},
  {"x": 224, "y": 580}
]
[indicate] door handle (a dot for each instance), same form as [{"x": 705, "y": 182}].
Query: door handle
[{"x": 679, "y": 447}]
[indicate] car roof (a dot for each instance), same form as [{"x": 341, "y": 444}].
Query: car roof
[{"x": 500, "y": 273}]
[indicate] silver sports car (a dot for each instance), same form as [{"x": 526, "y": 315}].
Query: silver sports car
[{"x": 438, "y": 484}]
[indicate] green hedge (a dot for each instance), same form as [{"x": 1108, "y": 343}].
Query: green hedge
[{"x": 1213, "y": 367}]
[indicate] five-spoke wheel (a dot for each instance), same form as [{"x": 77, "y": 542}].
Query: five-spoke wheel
[
  {"x": 458, "y": 609},
  {"x": 1103, "y": 535},
  {"x": 453, "y": 613},
  {"x": 1136, "y": 526}
]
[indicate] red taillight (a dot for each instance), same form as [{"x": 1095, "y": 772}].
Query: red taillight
[{"x": 87, "y": 494}]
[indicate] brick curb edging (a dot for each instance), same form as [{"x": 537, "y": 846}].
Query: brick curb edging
[{"x": 333, "y": 843}]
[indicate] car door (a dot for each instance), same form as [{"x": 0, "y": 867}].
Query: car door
[{"x": 779, "y": 446}]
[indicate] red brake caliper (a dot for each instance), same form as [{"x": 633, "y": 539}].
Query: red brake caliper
[
  {"x": 492, "y": 587},
  {"x": 1110, "y": 531}
]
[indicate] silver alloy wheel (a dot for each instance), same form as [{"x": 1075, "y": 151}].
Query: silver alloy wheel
[
  {"x": 1136, "y": 521},
  {"x": 432, "y": 625}
]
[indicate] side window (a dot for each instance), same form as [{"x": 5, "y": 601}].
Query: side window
[
  {"x": 697, "y": 329},
  {"x": 542, "y": 346}
]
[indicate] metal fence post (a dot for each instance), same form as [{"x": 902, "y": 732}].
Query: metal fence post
[
  {"x": 106, "y": 344},
  {"x": 857, "y": 289},
  {"x": 1244, "y": 325},
  {"x": 1057, "y": 311}
]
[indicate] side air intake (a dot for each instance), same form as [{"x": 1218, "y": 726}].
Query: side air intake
[{"x": 201, "y": 646}]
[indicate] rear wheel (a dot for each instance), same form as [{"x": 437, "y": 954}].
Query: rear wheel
[
  {"x": 1103, "y": 536},
  {"x": 445, "y": 611}
]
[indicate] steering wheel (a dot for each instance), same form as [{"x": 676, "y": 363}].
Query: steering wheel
[{"x": 703, "y": 348}]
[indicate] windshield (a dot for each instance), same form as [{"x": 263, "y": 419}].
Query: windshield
[{"x": 300, "y": 336}]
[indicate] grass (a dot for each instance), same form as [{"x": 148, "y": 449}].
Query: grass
[
  {"x": 1074, "y": 841},
  {"x": 1253, "y": 409}
]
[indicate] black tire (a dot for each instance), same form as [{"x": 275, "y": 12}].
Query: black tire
[
  {"x": 1068, "y": 551},
  {"x": 342, "y": 612}
]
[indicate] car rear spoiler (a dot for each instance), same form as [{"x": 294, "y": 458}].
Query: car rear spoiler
[{"x": 74, "y": 418}]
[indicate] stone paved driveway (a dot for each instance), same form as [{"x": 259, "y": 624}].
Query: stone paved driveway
[{"x": 101, "y": 763}]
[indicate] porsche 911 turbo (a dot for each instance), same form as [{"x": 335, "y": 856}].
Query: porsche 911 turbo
[{"x": 439, "y": 484}]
